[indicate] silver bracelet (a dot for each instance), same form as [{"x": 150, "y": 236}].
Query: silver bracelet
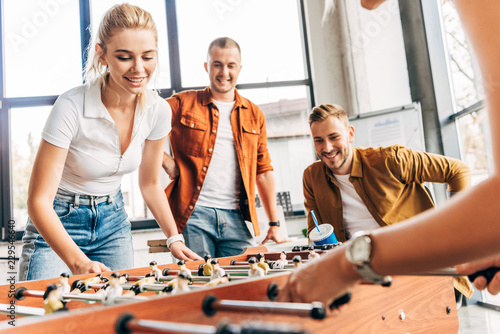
[{"x": 175, "y": 238}]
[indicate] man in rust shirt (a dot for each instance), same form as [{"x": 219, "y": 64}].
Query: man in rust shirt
[
  {"x": 359, "y": 189},
  {"x": 219, "y": 144}
]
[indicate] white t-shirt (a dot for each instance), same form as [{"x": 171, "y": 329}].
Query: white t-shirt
[
  {"x": 80, "y": 122},
  {"x": 356, "y": 215},
  {"x": 221, "y": 188}
]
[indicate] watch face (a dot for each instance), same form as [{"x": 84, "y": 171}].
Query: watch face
[{"x": 361, "y": 249}]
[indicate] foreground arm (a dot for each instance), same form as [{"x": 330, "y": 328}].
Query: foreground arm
[
  {"x": 265, "y": 186},
  {"x": 463, "y": 229},
  {"x": 154, "y": 196},
  {"x": 45, "y": 178}
]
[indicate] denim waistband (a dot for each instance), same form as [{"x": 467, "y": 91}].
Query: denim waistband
[
  {"x": 78, "y": 199},
  {"x": 237, "y": 210}
]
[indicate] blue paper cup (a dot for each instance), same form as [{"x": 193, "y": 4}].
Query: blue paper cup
[{"x": 325, "y": 236}]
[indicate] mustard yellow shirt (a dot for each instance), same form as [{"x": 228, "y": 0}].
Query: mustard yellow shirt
[{"x": 389, "y": 180}]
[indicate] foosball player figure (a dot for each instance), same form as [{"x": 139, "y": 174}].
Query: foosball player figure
[
  {"x": 207, "y": 267},
  {"x": 154, "y": 271},
  {"x": 255, "y": 270},
  {"x": 63, "y": 283},
  {"x": 221, "y": 280},
  {"x": 80, "y": 286},
  {"x": 52, "y": 299},
  {"x": 181, "y": 264},
  {"x": 137, "y": 287},
  {"x": 297, "y": 261},
  {"x": 261, "y": 263},
  {"x": 217, "y": 271},
  {"x": 282, "y": 262},
  {"x": 183, "y": 280},
  {"x": 114, "y": 289},
  {"x": 312, "y": 254},
  {"x": 124, "y": 278}
]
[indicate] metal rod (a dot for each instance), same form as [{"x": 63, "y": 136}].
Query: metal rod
[
  {"x": 23, "y": 311},
  {"x": 152, "y": 326},
  {"x": 315, "y": 310},
  {"x": 169, "y": 278},
  {"x": 488, "y": 273},
  {"x": 489, "y": 306},
  {"x": 83, "y": 296},
  {"x": 33, "y": 293},
  {"x": 290, "y": 263},
  {"x": 440, "y": 272},
  {"x": 247, "y": 267},
  {"x": 127, "y": 323}
]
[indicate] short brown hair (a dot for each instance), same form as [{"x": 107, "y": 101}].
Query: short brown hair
[
  {"x": 223, "y": 43},
  {"x": 323, "y": 111}
]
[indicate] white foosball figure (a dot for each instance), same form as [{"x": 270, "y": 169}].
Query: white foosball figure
[
  {"x": 282, "y": 262},
  {"x": 255, "y": 270}
]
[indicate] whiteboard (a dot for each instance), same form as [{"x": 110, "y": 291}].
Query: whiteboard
[{"x": 402, "y": 125}]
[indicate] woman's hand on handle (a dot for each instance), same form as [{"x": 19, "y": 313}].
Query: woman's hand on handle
[
  {"x": 182, "y": 252},
  {"x": 89, "y": 267}
]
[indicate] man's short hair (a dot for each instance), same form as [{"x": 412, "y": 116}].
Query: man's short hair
[
  {"x": 223, "y": 43},
  {"x": 323, "y": 111}
]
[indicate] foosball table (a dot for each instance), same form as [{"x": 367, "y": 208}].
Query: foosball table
[{"x": 411, "y": 304}]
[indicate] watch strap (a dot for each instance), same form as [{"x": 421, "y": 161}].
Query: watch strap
[
  {"x": 276, "y": 223},
  {"x": 366, "y": 271},
  {"x": 175, "y": 238}
]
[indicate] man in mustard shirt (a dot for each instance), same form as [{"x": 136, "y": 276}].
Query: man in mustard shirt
[
  {"x": 358, "y": 189},
  {"x": 361, "y": 189}
]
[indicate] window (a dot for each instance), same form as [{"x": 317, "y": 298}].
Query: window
[
  {"x": 271, "y": 48},
  {"x": 475, "y": 139},
  {"x": 26, "y": 133},
  {"x": 468, "y": 94},
  {"x": 465, "y": 75},
  {"x": 381, "y": 39},
  {"x": 288, "y": 136},
  {"x": 40, "y": 57}
]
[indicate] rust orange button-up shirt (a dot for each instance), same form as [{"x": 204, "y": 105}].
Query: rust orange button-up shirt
[{"x": 195, "y": 120}]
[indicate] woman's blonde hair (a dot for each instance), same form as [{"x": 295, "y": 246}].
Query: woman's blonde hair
[{"x": 116, "y": 19}]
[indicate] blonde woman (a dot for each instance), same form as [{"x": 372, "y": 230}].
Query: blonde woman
[{"x": 94, "y": 135}]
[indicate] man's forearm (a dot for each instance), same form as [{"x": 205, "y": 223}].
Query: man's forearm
[
  {"x": 170, "y": 166},
  {"x": 266, "y": 188}
]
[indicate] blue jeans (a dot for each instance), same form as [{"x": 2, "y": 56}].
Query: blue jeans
[
  {"x": 97, "y": 224},
  {"x": 218, "y": 232}
]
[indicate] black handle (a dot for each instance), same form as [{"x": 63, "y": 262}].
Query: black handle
[
  {"x": 487, "y": 273},
  {"x": 340, "y": 301}
]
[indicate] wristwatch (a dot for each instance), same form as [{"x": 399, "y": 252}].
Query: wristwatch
[
  {"x": 276, "y": 223},
  {"x": 175, "y": 238},
  {"x": 358, "y": 252}
]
